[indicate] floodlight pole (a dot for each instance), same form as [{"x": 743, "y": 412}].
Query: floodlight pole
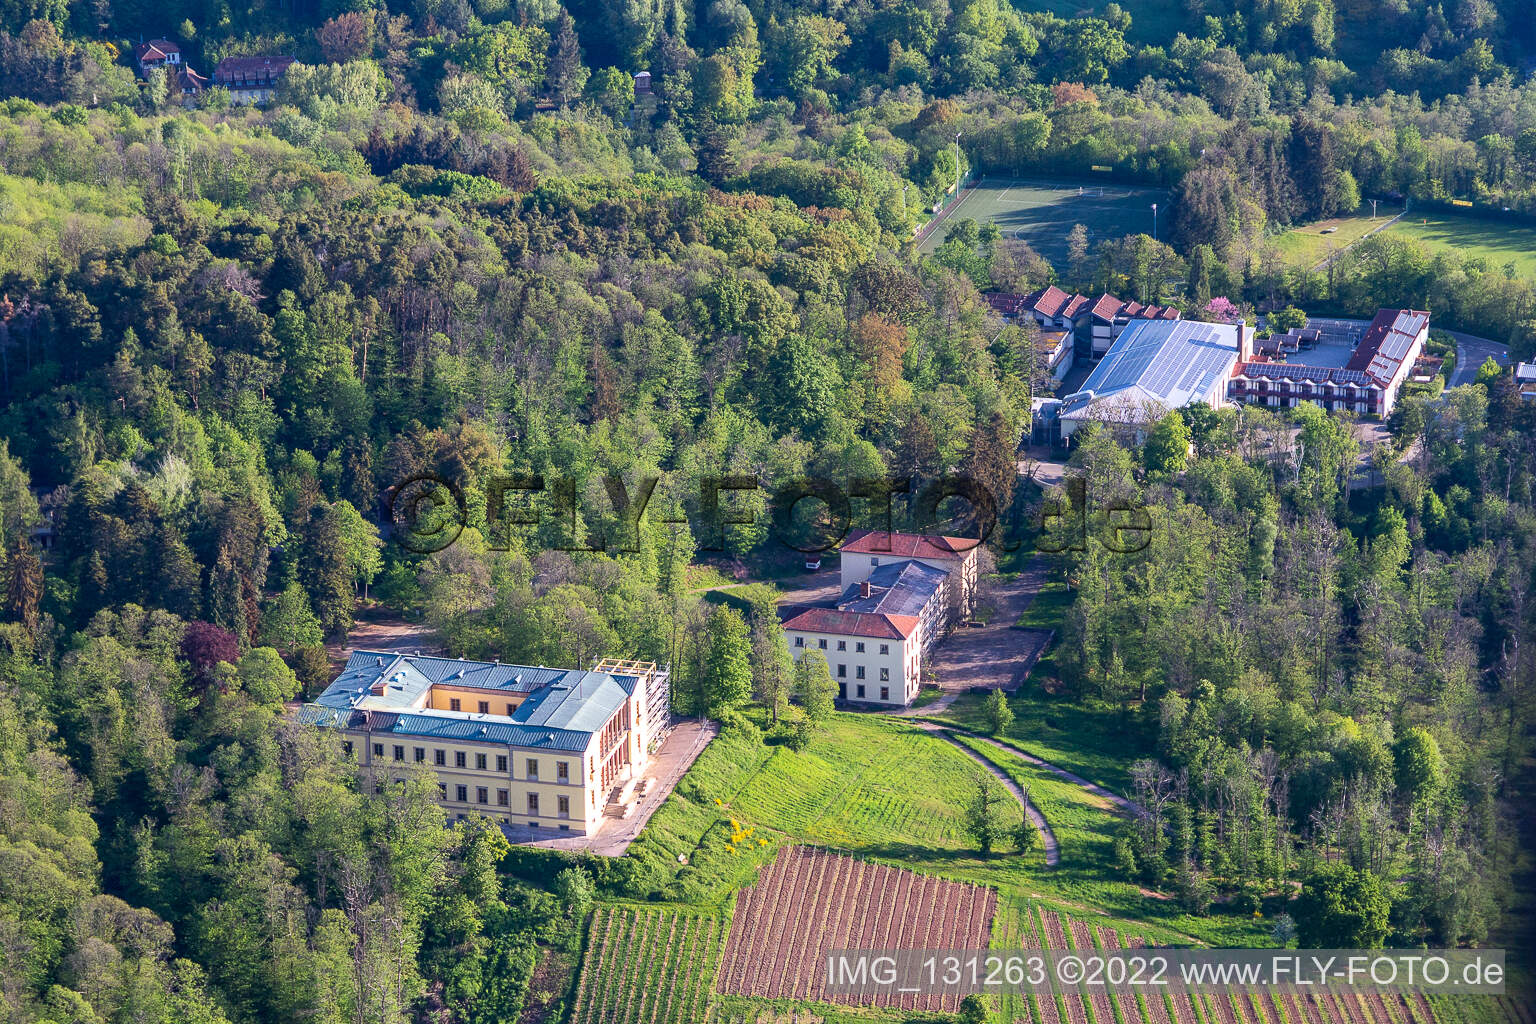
[
  {"x": 1154, "y": 222},
  {"x": 1373, "y": 209},
  {"x": 957, "y": 165}
]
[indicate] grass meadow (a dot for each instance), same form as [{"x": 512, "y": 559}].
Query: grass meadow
[
  {"x": 1500, "y": 243},
  {"x": 1308, "y": 245}
]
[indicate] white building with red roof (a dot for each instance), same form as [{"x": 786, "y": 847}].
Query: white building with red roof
[
  {"x": 900, "y": 593},
  {"x": 1367, "y": 384},
  {"x": 157, "y": 53},
  {"x": 866, "y": 550}
]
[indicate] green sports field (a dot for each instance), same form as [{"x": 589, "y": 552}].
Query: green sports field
[
  {"x": 1498, "y": 242},
  {"x": 1043, "y": 214},
  {"x": 1495, "y": 241}
]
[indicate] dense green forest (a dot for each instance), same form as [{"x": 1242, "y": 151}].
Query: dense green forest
[
  {"x": 1321, "y": 676},
  {"x": 458, "y": 243}
]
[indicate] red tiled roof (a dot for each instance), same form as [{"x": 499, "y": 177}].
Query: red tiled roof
[
  {"x": 830, "y": 620},
  {"x": 1386, "y": 343},
  {"x": 251, "y": 71},
  {"x": 1053, "y": 302},
  {"x": 908, "y": 545},
  {"x": 155, "y": 49},
  {"x": 1049, "y": 301},
  {"x": 1107, "y": 307},
  {"x": 191, "y": 81},
  {"x": 1009, "y": 303}
]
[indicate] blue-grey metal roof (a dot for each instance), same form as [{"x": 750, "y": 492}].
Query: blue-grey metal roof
[
  {"x": 447, "y": 726},
  {"x": 1159, "y": 363},
  {"x": 403, "y": 684},
  {"x": 896, "y": 588},
  {"x": 479, "y": 728},
  {"x": 582, "y": 701},
  {"x": 384, "y": 691},
  {"x": 407, "y": 677}
]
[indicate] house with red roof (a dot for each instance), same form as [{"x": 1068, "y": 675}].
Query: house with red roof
[
  {"x": 900, "y": 594},
  {"x": 157, "y": 53},
  {"x": 1367, "y": 384},
  {"x": 865, "y": 551},
  {"x": 251, "y": 79},
  {"x": 180, "y": 76},
  {"x": 1108, "y": 316},
  {"x": 1092, "y": 325}
]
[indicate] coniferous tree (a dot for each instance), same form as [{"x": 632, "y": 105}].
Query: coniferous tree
[
  {"x": 567, "y": 76},
  {"x": 177, "y": 585},
  {"x": 24, "y": 586},
  {"x": 993, "y": 461},
  {"x": 325, "y": 573}
]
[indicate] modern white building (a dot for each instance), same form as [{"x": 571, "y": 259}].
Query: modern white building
[{"x": 1154, "y": 367}]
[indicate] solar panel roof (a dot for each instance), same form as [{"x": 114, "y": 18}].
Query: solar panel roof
[{"x": 1172, "y": 363}]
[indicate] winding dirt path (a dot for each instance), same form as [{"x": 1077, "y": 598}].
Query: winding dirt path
[
  {"x": 1048, "y": 838},
  {"x": 1120, "y": 802}
]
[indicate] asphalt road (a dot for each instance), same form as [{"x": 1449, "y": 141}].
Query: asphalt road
[{"x": 1471, "y": 353}]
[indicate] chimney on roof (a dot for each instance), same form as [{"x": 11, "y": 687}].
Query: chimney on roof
[{"x": 864, "y": 589}]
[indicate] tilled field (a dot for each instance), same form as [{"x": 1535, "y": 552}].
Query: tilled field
[
  {"x": 809, "y": 902},
  {"x": 1097, "y": 1005},
  {"x": 651, "y": 966}
]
